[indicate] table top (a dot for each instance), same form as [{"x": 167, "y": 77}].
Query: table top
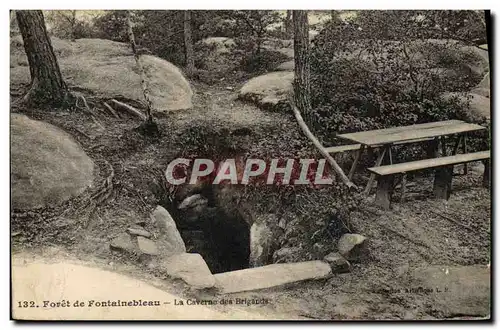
[{"x": 409, "y": 133}]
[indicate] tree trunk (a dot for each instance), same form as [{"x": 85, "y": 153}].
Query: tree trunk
[
  {"x": 301, "y": 83},
  {"x": 288, "y": 24},
  {"x": 149, "y": 127},
  {"x": 188, "y": 42},
  {"x": 73, "y": 25},
  {"x": 47, "y": 85}
]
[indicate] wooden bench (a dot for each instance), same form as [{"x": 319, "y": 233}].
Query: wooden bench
[
  {"x": 442, "y": 178},
  {"x": 350, "y": 147}
]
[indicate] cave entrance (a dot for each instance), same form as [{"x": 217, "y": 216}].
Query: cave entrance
[{"x": 222, "y": 239}]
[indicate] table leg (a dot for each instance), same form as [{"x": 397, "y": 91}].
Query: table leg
[
  {"x": 443, "y": 146},
  {"x": 457, "y": 144},
  {"x": 355, "y": 163},
  {"x": 465, "y": 151},
  {"x": 372, "y": 176}
]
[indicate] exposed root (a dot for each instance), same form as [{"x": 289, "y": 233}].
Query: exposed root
[
  {"x": 130, "y": 109},
  {"x": 86, "y": 109},
  {"x": 111, "y": 110}
]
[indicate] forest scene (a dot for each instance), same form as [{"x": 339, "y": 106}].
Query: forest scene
[{"x": 391, "y": 106}]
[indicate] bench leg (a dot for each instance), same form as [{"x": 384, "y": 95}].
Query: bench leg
[
  {"x": 487, "y": 173},
  {"x": 385, "y": 186},
  {"x": 403, "y": 188},
  {"x": 372, "y": 176},
  {"x": 442, "y": 182}
]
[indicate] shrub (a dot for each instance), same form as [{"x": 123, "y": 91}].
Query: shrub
[{"x": 370, "y": 74}]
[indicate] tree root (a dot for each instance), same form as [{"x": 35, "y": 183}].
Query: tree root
[
  {"x": 111, "y": 110},
  {"x": 86, "y": 109},
  {"x": 130, "y": 109}
]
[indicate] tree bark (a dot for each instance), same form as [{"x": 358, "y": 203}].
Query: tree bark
[
  {"x": 47, "y": 85},
  {"x": 188, "y": 42},
  {"x": 288, "y": 24},
  {"x": 301, "y": 83}
]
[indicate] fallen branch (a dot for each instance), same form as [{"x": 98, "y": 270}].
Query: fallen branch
[
  {"x": 130, "y": 109},
  {"x": 111, "y": 110},
  {"x": 452, "y": 220},
  {"x": 321, "y": 149}
]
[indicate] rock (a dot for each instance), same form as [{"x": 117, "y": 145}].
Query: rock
[
  {"x": 456, "y": 290},
  {"x": 191, "y": 268},
  {"x": 347, "y": 242},
  {"x": 269, "y": 91},
  {"x": 260, "y": 244},
  {"x": 338, "y": 263},
  {"x": 287, "y": 254},
  {"x": 271, "y": 276},
  {"x": 107, "y": 68},
  {"x": 193, "y": 201},
  {"x": 48, "y": 166},
  {"x": 138, "y": 232},
  {"x": 147, "y": 246},
  {"x": 124, "y": 243},
  {"x": 483, "y": 88},
  {"x": 479, "y": 107},
  {"x": 169, "y": 241},
  {"x": 287, "y": 66}
]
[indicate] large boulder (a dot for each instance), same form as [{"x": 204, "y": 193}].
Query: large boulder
[
  {"x": 47, "y": 166},
  {"x": 269, "y": 91},
  {"x": 479, "y": 106},
  {"x": 108, "y": 69},
  {"x": 483, "y": 88}
]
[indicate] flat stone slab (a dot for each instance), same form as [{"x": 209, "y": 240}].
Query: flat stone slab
[
  {"x": 455, "y": 290},
  {"x": 123, "y": 243},
  {"x": 139, "y": 232},
  {"x": 170, "y": 241},
  {"x": 147, "y": 246},
  {"x": 191, "y": 268},
  {"x": 271, "y": 275}
]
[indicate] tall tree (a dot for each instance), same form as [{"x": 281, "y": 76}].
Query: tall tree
[
  {"x": 47, "y": 85},
  {"x": 288, "y": 24},
  {"x": 188, "y": 42},
  {"x": 301, "y": 83}
]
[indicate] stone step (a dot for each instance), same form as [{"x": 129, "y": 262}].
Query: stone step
[{"x": 270, "y": 276}]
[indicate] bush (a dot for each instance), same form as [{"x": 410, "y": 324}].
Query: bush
[
  {"x": 263, "y": 61},
  {"x": 371, "y": 74}
]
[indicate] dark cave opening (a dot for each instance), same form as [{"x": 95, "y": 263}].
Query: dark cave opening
[{"x": 222, "y": 239}]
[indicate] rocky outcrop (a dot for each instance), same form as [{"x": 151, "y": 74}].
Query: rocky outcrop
[
  {"x": 108, "y": 69},
  {"x": 48, "y": 166}
]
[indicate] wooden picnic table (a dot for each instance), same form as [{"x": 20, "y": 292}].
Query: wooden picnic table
[{"x": 386, "y": 138}]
